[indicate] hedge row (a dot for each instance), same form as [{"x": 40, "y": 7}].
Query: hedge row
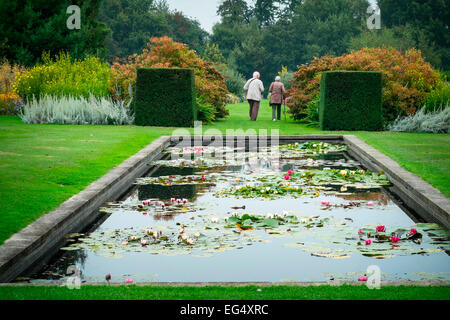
[
  {"x": 165, "y": 97},
  {"x": 351, "y": 100}
]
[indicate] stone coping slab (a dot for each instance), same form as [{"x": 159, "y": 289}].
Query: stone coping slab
[
  {"x": 416, "y": 193},
  {"x": 34, "y": 242}
]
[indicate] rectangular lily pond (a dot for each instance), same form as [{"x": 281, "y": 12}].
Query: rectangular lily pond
[{"x": 303, "y": 211}]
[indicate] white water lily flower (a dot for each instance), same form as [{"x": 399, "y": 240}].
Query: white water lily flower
[
  {"x": 270, "y": 216},
  {"x": 303, "y": 221},
  {"x": 285, "y": 213},
  {"x": 226, "y": 219},
  {"x": 267, "y": 188},
  {"x": 327, "y": 168},
  {"x": 343, "y": 172},
  {"x": 214, "y": 220},
  {"x": 197, "y": 234},
  {"x": 190, "y": 241},
  {"x": 184, "y": 237},
  {"x": 262, "y": 191}
]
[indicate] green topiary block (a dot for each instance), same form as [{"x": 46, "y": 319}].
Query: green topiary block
[
  {"x": 351, "y": 100},
  {"x": 165, "y": 97}
]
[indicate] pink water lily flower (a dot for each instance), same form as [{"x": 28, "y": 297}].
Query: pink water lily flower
[
  {"x": 370, "y": 203},
  {"x": 325, "y": 202},
  {"x": 395, "y": 239},
  {"x": 172, "y": 199},
  {"x": 287, "y": 177},
  {"x": 368, "y": 241},
  {"x": 289, "y": 172},
  {"x": 363, "y": 278},
  {"x": 380, "y": 228},
  {"x": 128, "y": 281},
  {"x": 413, "y": 231},
  {"x": 143, "y": 243},
  {"x": 360, "y": 231},
  {"x": 185, "y": 201}
]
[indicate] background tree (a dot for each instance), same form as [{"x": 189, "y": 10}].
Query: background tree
[
  {"x": 427, "y": 22},
  {"x": 30, "y": 27},
  {"x": 212, "y": 54},
  {"x": 134, "y": 22},
  {"x": 234, "y": 12}
]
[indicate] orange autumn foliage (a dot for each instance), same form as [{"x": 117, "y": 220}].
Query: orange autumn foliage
[
  {"x": 407, "y": 79},
  {"x": 163, "y": 52}
]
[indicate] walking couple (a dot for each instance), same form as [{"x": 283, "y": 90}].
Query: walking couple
[{"x": 254, "y": 89}]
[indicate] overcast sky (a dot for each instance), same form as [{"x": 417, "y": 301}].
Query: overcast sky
[{"x": 202, "y": 10}]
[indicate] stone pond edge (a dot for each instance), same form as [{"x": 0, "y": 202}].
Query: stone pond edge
[{"x": 32, "y": 243}]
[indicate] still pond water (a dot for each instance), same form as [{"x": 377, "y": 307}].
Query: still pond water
[{"x": 303, "y": 215}]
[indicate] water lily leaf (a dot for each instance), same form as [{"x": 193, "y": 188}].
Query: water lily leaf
[
  {"x": 271, "y": 223},
  {"x": 70, "y": 248}
]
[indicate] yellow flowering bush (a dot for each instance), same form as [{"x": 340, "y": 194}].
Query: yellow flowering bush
[{"x": 64, "y": 77}]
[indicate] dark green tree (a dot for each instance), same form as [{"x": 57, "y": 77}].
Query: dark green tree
[
  {"x": 428, "y": 21},
  {"x": 234, "y": 12},
  {"x": 30, "y": 27},
  {"x": 265, "y": 12},
  {"x": 134, "y": 22}
]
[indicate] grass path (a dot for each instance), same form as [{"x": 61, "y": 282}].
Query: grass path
[
  {"x": 41, "y": 166},
  {"x": 324, "y": 292}
]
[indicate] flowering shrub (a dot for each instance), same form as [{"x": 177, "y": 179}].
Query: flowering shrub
[
  {"x": 406, "y": 79},
  {"x": 64, "y": 77},
  {"x": 439, "y": 98},
  {"x": 10, "y": 104},
  {"x": 163, "y": 52},
  {"x": 8, "y": 74}
]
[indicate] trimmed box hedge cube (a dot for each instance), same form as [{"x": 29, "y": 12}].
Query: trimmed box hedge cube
[
  {"x": 165, "y": 97},
  {"x": 351, "y": 100}
]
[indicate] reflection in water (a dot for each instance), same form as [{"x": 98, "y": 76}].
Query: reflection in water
[{"x": 275, "y": 258}]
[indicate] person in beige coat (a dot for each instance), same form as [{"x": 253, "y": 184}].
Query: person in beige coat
[
  {"x": 276, "y": 97},
  {"x": 254, "y": 89}
]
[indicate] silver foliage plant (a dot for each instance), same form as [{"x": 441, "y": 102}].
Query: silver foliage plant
[
  {"x": 69, "y": 110},
  {"x": 436, "y": 122}
]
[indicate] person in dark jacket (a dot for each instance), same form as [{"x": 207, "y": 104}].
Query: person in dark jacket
[{"x": 276, "y": 97}]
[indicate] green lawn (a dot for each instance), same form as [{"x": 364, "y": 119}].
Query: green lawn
[
  {"x": 324, "y": 292},
  {"x": 41, "y": 166}
]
